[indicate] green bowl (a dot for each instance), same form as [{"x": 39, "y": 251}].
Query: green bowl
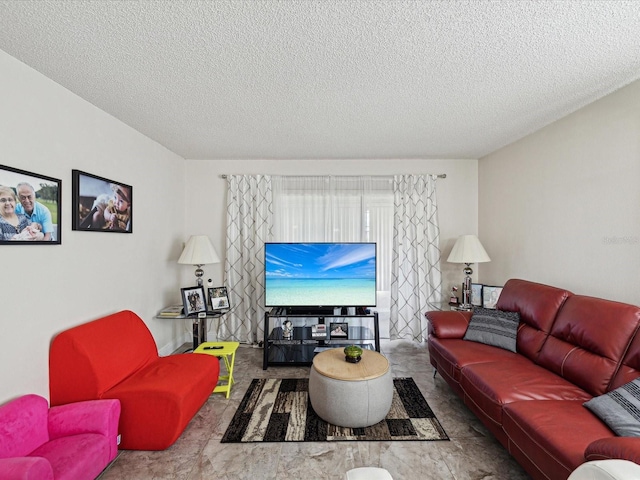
[{"x": 352, "y": 353}]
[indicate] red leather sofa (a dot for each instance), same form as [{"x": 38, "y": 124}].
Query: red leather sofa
[
  {"x": 116, "y": 357},
  {"x": 570, "y": 348}
]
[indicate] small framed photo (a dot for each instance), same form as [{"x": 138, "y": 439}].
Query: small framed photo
[
  {"x": 30, "y": 208},
  {"x": 339, "y": 330},
  {"x": 218, "y": 298},
  {"x": 100, "y": 204},
  {"x": 490, "y": 296},
  {"x": 476, "y": 294},
  {"x": 193, "y": 300}
]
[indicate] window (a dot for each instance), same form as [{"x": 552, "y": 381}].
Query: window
[{"x": 337, "y": 209}]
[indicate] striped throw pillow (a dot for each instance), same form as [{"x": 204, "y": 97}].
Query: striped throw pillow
[
  {"x": 619, "y": 409},
  {"x": 493, "y": 327}
]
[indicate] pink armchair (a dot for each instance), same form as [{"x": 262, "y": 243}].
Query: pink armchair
[{"x": 75, "y": 441}]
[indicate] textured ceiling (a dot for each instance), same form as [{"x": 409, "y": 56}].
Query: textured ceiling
[{"x": 329, "y": 78}]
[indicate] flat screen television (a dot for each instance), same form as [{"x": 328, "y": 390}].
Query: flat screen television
[{"x": 320, "y": 274}]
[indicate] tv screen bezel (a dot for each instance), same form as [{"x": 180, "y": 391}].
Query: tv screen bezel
[{"x": 328, "y": 304}]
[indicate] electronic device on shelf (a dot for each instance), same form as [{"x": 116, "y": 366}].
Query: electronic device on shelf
[{"x": 319, "y": 331}]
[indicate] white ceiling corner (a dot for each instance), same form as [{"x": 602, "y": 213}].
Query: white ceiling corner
[{"x": 241, "y": 79}]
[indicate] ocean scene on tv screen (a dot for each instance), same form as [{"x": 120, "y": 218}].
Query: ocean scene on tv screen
[{"x": 320, "y": 274}]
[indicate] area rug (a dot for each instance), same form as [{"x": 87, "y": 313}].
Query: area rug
[{"x": 279, "y": 410}]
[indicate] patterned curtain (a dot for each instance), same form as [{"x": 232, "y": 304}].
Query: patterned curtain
[
  {"x": 249, "y": 223},
  {"x": 416, "y": 283}
]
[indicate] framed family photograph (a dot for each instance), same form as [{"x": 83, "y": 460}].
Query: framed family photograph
[
  {"x": 339, "y": 330},
  {"x": 218, "y": 298},
  {"x": 476, "y": 294},
  {"x": 193, "y": 300},
  {"x": 490, "y": 296},
  {"x": 30, "y": 208},
  {"x": 100, "y": 204}
]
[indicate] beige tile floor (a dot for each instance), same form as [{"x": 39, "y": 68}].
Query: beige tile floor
[{"x": 472, "y": 453}]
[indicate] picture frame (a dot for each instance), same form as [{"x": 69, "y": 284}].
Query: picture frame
[
  {"x": 490, "y": 296},
  {"x": 193, "y": 300},
  {"x": 218, "y": 298},
  {"x": 476, "y": 294},
  {"x": 339, "y": 330},
  {"x": 37, "y": 201},
  {"x": 100, "y": 204}
]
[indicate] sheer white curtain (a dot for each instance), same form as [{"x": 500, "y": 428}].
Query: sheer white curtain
[
  {"x": 336, "y": 209},
  {"x": 249, "y": 223},
  {"x": 416, "y": 283}
]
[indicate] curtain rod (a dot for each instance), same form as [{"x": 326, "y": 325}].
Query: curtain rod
[{"x": 440, "y": 175}]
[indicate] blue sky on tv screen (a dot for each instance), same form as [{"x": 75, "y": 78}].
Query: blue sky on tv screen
[{"x": 320, "y": 260}]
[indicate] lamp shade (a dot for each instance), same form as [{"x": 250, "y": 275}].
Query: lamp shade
[
  {"x": 468, "y": 249},
  {"x": 198, "y": 251}
]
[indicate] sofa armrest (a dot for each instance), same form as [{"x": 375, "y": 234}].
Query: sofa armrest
[
  {"x": 91, "y": 416},
  {"x": 448, "y": 324},
  {"x": 25, "y": 468},
  {"x": 625, "y": 448}
]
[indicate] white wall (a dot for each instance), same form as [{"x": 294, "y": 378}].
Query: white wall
[
  {"x": 562, "y": 206},
  {"x": 457, "y": 195},
  {"x": 45, "y": 289}
]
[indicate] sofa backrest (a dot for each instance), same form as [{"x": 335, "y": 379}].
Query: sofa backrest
[
  {"x": 23, "y": 425},
  {"x": 87, "y": 360},
  {"x": 589, "y": 340},
  {"x": 629, "y": 369},
  {"x": 538, "y": 306}
]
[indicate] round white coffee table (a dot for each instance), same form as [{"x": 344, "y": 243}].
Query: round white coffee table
[{"x": 350, "y": 394}]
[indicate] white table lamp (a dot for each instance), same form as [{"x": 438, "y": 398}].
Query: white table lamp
[
  {"x": 198, "y": 252},
  {"x": 467, "y": 250}
]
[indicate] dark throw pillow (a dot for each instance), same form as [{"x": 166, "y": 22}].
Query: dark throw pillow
[
  {"x": 619, "y": 409},
  {"x": 494, "y": 327}
]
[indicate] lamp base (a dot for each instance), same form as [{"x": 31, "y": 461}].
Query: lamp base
[
  {"x": 199, "y": 274},
  {"x": 466, "y": 290}
]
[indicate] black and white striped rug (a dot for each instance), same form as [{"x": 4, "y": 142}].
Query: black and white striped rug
[{"x": 278, "y": 410}]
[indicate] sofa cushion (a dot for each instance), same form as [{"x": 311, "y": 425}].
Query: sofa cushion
[
  {"x": 87, "y": 360},
  {"x": 588, "y": 340},
  {"x": 493, "y": 327},
  {"x": 488, "y": 387},
  {"x": 538, "y": 306},
  {"x": 619, "y": 409},
  {"x": 553, "y": 433},
  {"x": 24, "y": 425},
  {"x": 630, "y": 368},
  {"x": 163, "y": 397},
  {"x": 450, "y": 355},
  {"x": 26, "y": 468},
  {"x": 77, "y": 457}
]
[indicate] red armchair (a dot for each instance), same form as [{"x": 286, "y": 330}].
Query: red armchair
[{"x": 116, "y": 357}]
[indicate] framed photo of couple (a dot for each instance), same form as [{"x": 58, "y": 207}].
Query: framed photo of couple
[
  {"x": 30, "y": 208},
  {"x": 193, "y": 300}
]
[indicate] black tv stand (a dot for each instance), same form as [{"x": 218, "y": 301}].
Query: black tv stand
[{"x": 300, "y": 347}]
